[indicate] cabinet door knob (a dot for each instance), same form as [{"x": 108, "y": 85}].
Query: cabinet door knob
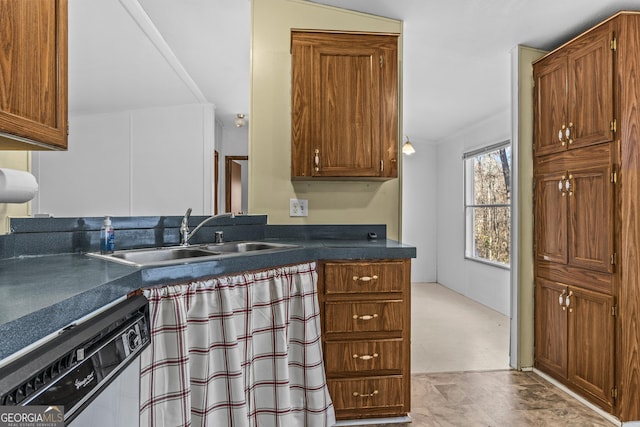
[
  {"x": 316, "y": 160},
  {"x": 568, "y": 132},
  {"x": 567, "y": 300},
  {"x": 365, "y": 278},
  {"x": 365, "y": 317}
]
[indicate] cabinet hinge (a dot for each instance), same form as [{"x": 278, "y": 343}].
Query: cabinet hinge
[
  {"x": 613, "y": 44},
  {"x": 614, "y": 310},
  {"x": 67, "y": 127},
  {"x": 613, "y": 259},
  {"x": 613, "y": 125},
  {"x": 381, "y": 61},
  {"x": 614, "y": 177},
  {"x": 614, "y": 393}
]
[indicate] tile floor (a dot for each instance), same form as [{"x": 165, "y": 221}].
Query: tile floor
[{"x": 461, "y": 376}]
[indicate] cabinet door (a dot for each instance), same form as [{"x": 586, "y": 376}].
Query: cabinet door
[
  {"x": 551, "y": 327},
  {"x": 590, "y": 89},
  {"x": 347, "y": 111},
  {"x": 550, "y": 99},
  {"x": 591, "y": 224},
  {"x": 551, "y": 217},
  {"x": 591, "y": 343},
  {"x": 33, "y": 84}
]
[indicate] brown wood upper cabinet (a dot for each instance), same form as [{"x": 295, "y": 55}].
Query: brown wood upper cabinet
[
  {"x": 574, "y": 94},
  {"x": 33, "y": 78},
  {"x": 344, "y": 115}
]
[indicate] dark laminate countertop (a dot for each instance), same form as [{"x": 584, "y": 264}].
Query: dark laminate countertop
[{"x": 40, "y": 295}]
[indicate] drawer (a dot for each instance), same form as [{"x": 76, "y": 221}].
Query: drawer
[
  {"x": 378, "y": 316},
  {"x": 364, "y": 393},
  {"x": 363, "y": 356},
  {"x": 359, "y": 277}
]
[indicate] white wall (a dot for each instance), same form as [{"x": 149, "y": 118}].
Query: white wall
[
  {"x": 156, "y": 161},
  {"x": 484, "y": 283},
  {"x": 419, "y": 180}
]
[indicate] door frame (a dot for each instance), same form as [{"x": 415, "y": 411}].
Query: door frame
[{"x": 227, "y": 178}]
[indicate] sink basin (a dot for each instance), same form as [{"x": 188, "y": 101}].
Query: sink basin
[
  {"x": 159, "y": 255},
  {"x": 183, "y": 255},
  {"x": 243, "y": 247}
]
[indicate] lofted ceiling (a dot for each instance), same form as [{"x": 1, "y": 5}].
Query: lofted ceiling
[{"x": 456, "y": 63}]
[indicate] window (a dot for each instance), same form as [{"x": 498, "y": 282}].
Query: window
[{"x": 488, "y": 204}]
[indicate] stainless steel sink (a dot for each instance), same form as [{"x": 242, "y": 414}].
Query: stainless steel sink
[
  {"x": 244, "y": 247},
  {"x": 186, "y": 254}
]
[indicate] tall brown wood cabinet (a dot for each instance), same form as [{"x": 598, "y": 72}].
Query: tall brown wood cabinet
[
  {"x": 33, "y": 77},
  {"x": 344, "y": 105},
  {"x": 365, "y": 309},
  {"x": 586, "y": 225}
]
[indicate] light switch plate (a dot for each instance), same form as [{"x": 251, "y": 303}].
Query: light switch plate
[{"x": 298, "y": 207}]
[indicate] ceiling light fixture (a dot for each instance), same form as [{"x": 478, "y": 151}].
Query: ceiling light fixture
[
  {"x": 407, "y": 148},
  {"x": 240, "y": 120}
]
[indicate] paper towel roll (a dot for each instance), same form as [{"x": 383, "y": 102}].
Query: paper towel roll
[{"x": 17, "y": 186}]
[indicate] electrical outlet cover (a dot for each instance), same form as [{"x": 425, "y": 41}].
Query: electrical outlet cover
[{"x": 298, "y": 207}]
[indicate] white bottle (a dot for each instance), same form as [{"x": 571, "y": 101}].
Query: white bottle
[{"x": 107, "y": 237}]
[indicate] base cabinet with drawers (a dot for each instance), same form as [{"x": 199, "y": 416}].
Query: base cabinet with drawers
[{"x": 365, "y": 308}]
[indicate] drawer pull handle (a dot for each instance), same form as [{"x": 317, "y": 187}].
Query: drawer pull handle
[
  {"x": 365, "y": 317},
  {"x": 356, "y": 394},
  {"x": 365, "y": 356},
  {"x": 365, "y": 278}
]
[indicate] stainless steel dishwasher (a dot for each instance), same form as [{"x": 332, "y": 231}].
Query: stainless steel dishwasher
[{"x": 72, "y": 369}]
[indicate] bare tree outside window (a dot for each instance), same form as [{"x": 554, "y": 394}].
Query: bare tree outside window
[{"x": 488, "y": 204}]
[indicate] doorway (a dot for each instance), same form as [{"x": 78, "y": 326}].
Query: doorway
[{"x": 236, "y": 200}]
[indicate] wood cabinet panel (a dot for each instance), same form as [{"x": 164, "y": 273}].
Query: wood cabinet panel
[
  {"x": 550, "y": 104},
  {"x": 344, "y": 121},
  {"x": 33, "y": 87},
  {"x": 628, "y": 297},
  {"x": 367, "y": 393},
  {"x": 591, "y": 210},
  {"x": 363, "y": 356},
  {"x": 362, "y": 277},
  {"x": 590, "y": 91},
  {"x": 384, "y": 316},
  {"x": 551, "y": 217},
  {"x": 591, "y": 362},
  {"x": 551, "y": 327}
]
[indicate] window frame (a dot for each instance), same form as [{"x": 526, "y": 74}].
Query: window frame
[{"x": 468, "y": 218}]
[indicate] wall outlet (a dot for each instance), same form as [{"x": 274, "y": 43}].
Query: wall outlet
[{"x": 298, "y": 207}]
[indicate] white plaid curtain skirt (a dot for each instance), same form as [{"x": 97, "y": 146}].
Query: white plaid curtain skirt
[{"x": 238, "y": 351}]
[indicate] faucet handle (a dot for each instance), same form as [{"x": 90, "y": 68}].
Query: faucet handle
[{"x": 219, "y": 237}]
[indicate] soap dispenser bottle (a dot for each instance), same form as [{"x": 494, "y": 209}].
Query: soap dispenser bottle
[{"x": 107, "y": 237}]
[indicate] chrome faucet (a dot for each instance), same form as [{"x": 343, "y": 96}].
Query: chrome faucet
[
  {"x": 185, "y": 234},
  {"x": 184, "y": 228}
]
